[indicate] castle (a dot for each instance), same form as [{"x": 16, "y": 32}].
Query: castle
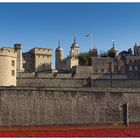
[
  {"x": 14, "y": 63},
  {"x": 62, "y": 63},
  {"x": 71, "y": 94}
]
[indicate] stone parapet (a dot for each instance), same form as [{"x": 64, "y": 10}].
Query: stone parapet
[{"x": 10, "y": 52}]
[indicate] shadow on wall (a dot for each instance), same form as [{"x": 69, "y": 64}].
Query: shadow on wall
[{"x": 43, "y": 67}]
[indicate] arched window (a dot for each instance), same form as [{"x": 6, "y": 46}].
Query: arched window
[
  {"x": 136, "y": 68},
  {"x": 130, "y": 68}
]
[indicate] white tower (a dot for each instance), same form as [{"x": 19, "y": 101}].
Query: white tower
[{"x": 75, "y": 49}]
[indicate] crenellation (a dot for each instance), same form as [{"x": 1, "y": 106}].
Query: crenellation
[
  {"x": 5, "y": 51},
  {"x": 42, "y": 51},
  {"x": 8, "y": 65}
]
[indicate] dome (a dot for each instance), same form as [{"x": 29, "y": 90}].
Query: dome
[
  {"x": 113, "y": 49},
  {"x": 59, "y": 49},
  {"x": 74, "y": 45}
]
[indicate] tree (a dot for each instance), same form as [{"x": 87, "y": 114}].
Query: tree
[{"x": 84, "y": 58}]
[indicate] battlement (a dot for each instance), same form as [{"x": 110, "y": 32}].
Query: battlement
[
  {"x": 6, "y": 51},
  {"x": 42, "y": 51}
]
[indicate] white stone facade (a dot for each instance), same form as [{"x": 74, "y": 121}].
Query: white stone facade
[
  {"x": 38, "y": 59},
  {"x": 8, "y": 67}
]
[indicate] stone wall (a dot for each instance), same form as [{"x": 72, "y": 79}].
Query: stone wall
[
  {"x": 108, "y": 76},
  {"x": 8, "y": 67},
  {"x": 124, "y": 83},
  {"x": 46, "y": 106},
  {"x": 83, "y": 69},
  {"x": 52, "y": 82},
  {"x": 44, "y": 75},
  {"x": 76, "y": 82}
]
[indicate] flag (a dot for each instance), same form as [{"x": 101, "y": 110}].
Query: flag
[{"x": 89, "y": 34}]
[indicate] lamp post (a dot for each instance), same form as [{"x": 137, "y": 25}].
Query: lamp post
[
  {"x": 110, "y": 69},
  {"x": 126, "y": 113}
]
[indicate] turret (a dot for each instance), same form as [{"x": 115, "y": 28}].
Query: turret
[
  {"x": 93, "y": 52},
  {"x": 75, "y": 49},
  {"x": 113, "y": 52},
  {"x": 135, "y": 49},
  {"x": 59, "y": 56},
  {"x": 8, "y": 58},
  {"x": 18, "y": 49}
]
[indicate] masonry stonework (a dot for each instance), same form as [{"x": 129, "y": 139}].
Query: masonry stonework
[
  {"x": 49, "y": 106},
  {"x": 7, "y": 67}
]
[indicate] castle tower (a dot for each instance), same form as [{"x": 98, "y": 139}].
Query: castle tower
[
  {"x": 18, "y": 49},
  {"x": 113, "y": 52},
  {"x": 59, "y": 56},
  {"x": 93, "y": 52},
  {"x": 8, "y": 59},
  {"x": 136, "y": 50},
  {"x": 75, "y": 49}
]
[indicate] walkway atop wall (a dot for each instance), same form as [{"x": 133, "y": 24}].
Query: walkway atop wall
[{"x": 87, "y": 89}]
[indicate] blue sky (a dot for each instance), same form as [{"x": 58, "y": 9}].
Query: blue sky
[{"x": 42, "y": 24}]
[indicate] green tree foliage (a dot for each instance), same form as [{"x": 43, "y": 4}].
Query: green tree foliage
[
  {"x": 84, "y": 58},
  {"x": 107, "y": 54}
]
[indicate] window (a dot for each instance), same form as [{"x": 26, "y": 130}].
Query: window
[
  {"x": 24, "y": 66},
  {"x": 13, "y": 62},
  {"x": 136, "y": 76},
  {"x": 136, "y": 68},
  {"x": 96, "y": 70},
  {"x": 130, "y": 68},
  {"x": 130, "y": 61},
  {"x": 102, "y": 70},
  {"x": 13, "y": 73},
  {"x": 43, "y": 66}
]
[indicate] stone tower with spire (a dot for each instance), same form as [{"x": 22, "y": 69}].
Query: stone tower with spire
[
  {"x": 59, "y": 56},
  {"x": 136, "y": 50},
  {"x": 113, "y": 52},
  {"x": 75, "y": 49},
  {"x": 93, "y": 52}
]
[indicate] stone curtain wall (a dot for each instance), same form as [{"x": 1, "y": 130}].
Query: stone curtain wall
[
  {"x": 52, "y": 82},
  {"x": 72, "y": 82},
  {"x": 115, "y": 83},
  {"x": 46, "y": 106}
]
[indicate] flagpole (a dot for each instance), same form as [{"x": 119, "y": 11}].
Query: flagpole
[
  {"x": 90, "y": 35},
  {"x": 91, "y": 40}
]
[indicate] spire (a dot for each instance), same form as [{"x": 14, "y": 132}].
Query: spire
[
  {"x": 113, "y": 43},
  {"x": 59, "y": 43},
  {"x": 136, "y": 44},
  {"x": 74, "y": 39}
]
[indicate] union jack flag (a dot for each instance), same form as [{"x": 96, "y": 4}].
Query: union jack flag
[{"x": 89, "y": 34}]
